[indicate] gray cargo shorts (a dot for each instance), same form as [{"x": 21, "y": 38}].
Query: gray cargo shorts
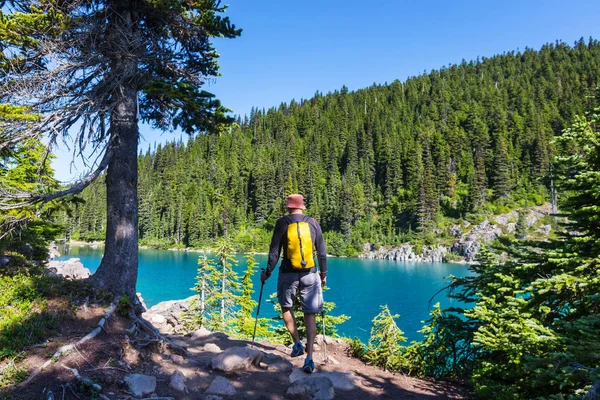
[{"x": 311, "y": 294}]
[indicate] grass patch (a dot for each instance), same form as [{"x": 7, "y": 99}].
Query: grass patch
[
  {"x": 11, "y": 374},
  {"x": 31, "y": 304}
]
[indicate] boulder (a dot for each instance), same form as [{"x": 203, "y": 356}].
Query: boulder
[
  {"x": 434, "y": 253},
  {"x": 139, "y": 385},
  {"x": 177, "y": 359},
  {"x": 213, "y": 397},
  {"x": 141, "y": 301},
  {"x": 71, "y": 269},
  {"x": 467, "y": 249},
  {"x": 340, "y": 380},
  {"x": 221, "y": 386},
  {"x": 53, "y": 252},
  {"x": 212, "y": 348},
  {"x": 167, "y": 314},
  {"x": 277, "y": 363},
  {"x": 505, "y": 219},
  {"x": 236, "y": 358},
  {"x": 200, "y": 333},
  {"x": 455, "y": 230},
  {"x": 511, "y": 227},
  {"x": 318, "y": 388},
  {"x": 158, "y": 319},
  {"x": 544, "y": 230},
  {"x": 177, "y": 382}
]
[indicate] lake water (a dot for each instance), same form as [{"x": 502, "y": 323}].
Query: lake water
[{"x": 357, "y": 286}]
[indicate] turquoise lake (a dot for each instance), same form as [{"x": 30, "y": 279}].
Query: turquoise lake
[{"x": 357, "y": 286}]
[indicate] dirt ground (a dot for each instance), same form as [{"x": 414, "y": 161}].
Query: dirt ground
[{"x": 109, "y": 357}]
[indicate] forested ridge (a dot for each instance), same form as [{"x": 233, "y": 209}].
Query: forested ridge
[{"x": 382, "y": 165}]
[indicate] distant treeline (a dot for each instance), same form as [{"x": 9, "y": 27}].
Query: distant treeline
[{"x": 375, "y": 165}]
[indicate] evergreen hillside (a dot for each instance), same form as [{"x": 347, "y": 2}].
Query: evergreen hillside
[{"x": 383, "y": 164}]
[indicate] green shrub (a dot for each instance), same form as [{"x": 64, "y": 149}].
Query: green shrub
[
  {"x": 124, "y": 306},
  {"x": 11, "y": 374}
]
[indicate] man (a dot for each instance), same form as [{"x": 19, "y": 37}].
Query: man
[{"x": 299, "y": 235}]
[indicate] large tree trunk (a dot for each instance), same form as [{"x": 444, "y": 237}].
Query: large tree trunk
[{"x": 118, "y": 271}]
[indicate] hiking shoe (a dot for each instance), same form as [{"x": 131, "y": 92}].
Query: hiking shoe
[
  {"x": 297, "y": 350},
  {"x": 309, "y": 366}
]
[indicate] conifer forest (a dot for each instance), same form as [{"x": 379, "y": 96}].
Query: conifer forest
[{"x": 384, "y": 165}]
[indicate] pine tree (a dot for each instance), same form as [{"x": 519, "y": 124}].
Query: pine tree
[
  {"x": 384, "y": 349},
  {"x": 91, "y": 69},
  {"x": 521, "y": 227},
  {"x": 229, "y": 285},
  {"x": 207, "y": 289},
  {"x": 245, "y": 320},
  {"x": 535, "y": 319},
  {"x": 25, "y": 166}
]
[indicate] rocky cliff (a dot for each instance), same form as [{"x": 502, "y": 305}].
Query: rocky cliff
[{"x": 467, "y": 238}]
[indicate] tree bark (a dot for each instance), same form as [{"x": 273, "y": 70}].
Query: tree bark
[{"x": 118, "y": 271}]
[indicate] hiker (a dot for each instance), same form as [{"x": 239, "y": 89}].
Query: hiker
[{"x": 299, "y": 236}]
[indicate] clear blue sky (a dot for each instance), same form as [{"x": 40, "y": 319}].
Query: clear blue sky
[{"x": 290, "y": 49}]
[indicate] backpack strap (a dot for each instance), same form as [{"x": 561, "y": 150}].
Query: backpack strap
[{"x": 288, "y": 219}]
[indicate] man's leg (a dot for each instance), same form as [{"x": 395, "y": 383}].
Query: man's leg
[
  {"x": 290, "y": 323},
  {"x": 311, "y": 332},
  {"x": 311, "y": 296}
]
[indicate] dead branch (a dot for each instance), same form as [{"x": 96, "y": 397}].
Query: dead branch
[
  {"x": 8, "y": 196},
  {"x": 84, "y": 379},
  {"x": 67, "y": 348}
]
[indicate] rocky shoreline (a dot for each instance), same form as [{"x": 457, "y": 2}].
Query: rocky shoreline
[{"x": 466, "y": 239}]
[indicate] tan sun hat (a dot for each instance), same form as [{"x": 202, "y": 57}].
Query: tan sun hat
[{"x": 295, "y": 201}]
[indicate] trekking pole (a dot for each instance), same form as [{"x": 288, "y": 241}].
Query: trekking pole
[
  {"x": 325, "y": 359},
  {"x": 262, "y": 270}
]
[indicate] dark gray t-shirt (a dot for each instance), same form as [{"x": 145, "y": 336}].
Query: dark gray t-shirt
[{"x": 279, "y": 242}]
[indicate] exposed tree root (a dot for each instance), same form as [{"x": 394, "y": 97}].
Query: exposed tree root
[
  {"x": 156, "y": 335},
  {"x": 67, "y": 348},
  {"x": 84, "y": 379}
]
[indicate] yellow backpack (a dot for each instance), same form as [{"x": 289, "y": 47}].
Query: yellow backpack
[{"x": 300, "y": 245}]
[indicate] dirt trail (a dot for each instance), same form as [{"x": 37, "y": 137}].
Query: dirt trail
[{"x": 110, "y": 357}]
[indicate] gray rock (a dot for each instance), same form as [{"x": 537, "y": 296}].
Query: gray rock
[
  {"x": 169, "y": 310},
  {"x": 505, "y": 219},
  {"x": 455, "y": 230},
  {"x": 158, "y": 398},
  {"x": 406, "y": 253},
  {"x": 177, "y": 382},
  {"x": 236, "y": 358},
  {"x": 467, "y": 249},
  {"x": 221, "y": 386},
  {"x": 511, "y": 227},
  {"x": 277, "y": 363},
  {"x": 213, "y": 397},
  {"x": 544, "y": 230},
  {"x": 177, "y": 359},
  {"x": 158, "y": 319},
  {"x": 53, "y": 252},
  {"x": 142, "y": 302},
  {"x": 434, "y": 253},
  {"x": 211, "y": 347},
  {"x": 340, "y": 380},
  {"x": 140, "y": 385},
  {"x": 200, "y": 333},
  {"x": 72, "y": 269},
  {"x": 319, "y": 388}
]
